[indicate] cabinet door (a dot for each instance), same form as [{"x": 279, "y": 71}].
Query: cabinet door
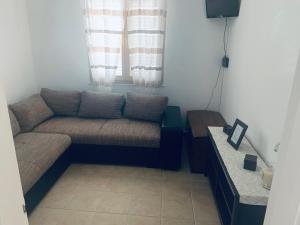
[
  {"x": 212, "y": 176},
  {"x": 222, "y": 207},
  {"x": 226, "y": 189},
  {"x": 213, "y": 168}
]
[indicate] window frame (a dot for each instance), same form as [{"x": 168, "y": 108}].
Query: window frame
[{"x": 125, "y": 78}]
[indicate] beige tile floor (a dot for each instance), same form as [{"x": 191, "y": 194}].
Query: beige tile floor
[{"x": 115, "y": 195}]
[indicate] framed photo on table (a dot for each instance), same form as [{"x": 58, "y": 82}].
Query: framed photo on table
[{"x": 238, "y": 132}]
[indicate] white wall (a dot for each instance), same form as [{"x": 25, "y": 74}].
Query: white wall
[
  {"x": 284, "y": 203},
  {"x": 11, "y": 195},
  {"x": 264, "y": 44},
  {"x": 17, "y": 78},
  {"x": 16, "y": 62},
  {"x": 193, "y": 49}
]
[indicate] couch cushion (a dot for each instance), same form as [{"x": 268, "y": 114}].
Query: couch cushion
[
  {"x": 30, "y": 112},
  {"x": 145, "y": 107},
  {"x": 62, "y": 103},
  {"x": 120, "y": 132},
  {"x": 37, "y": 153},
  {"x": 14, "y": 123},
  {"x": 82, "y": 131},
  {"x": 96, "y": 105},
  {"x": 134, "y": 133}
]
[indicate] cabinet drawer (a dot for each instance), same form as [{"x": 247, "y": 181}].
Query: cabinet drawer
[
  {"x": 212, "y": 176},
  {"x": 214, "y": 160},
  {"x": 226, "y": 190},
  {"x": 223, "y": 209}
]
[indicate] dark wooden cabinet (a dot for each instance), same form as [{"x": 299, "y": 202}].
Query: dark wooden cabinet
[
  {"x": 197, "y": 137},
  {"x": 227, "y": 198}
]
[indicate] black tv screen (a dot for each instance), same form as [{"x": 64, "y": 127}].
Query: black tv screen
[{"x": 222, "y": 8}]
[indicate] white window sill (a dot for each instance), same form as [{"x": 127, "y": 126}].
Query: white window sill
[{"x": 125, "y": 84}]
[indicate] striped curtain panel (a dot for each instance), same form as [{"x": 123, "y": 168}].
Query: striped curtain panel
[
  {"x": 146, "y": 24},
  {"x": 104, "y": 31}
]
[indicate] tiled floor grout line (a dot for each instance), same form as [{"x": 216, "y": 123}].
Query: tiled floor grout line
[
  {"x": 161, "y": 205},
  {"x": 99, "y": 212},
  {"x": 114, "y": 192},
  {"x": 193, "y": 206}
]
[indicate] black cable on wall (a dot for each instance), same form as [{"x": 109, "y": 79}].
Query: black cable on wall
[{"x": 221, "y": 69}]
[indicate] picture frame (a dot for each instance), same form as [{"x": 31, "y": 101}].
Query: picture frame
[{"x": 238, "y": 132}]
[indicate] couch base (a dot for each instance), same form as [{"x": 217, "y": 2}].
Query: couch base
[
  {"x": 44, "y": 184},
  {"x": 117, "y": 155}
]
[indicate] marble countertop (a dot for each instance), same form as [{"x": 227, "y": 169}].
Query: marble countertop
[{"x": 248, "y": 183}]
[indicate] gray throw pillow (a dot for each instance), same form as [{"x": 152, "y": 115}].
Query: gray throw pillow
[
  {"x": 31, "y": 112},
  {"x": 96, "y": 105},
  {"x": 14, "y": 123},
  {"x": 145, "y": 107},
  {"x": 62, "y": 103}
]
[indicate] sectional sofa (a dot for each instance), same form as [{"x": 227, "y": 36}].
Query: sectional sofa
[{"x": 53, "y": 129}]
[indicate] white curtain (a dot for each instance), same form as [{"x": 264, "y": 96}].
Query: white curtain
[
  {"x": 104, "y": 30},
  {"x": 146, "y": 24},
  {"x": 117, "y": 27}
]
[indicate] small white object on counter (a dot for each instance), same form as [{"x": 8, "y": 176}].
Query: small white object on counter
[
  {"x": 267, "y": 178},
  {"x": 248, "y": 183}
]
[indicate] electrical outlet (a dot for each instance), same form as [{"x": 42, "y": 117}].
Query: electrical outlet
[{"x": 225, "y": 62}]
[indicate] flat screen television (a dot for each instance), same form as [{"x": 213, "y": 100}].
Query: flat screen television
[{"x": 222, "y": 8}]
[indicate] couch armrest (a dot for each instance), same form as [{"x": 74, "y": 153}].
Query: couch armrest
[
  {"x": 171, "y": 138},
  {"x": 172, "y": 118}
]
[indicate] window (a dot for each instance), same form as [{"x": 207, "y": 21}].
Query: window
[{"x": 125, "y": 40}]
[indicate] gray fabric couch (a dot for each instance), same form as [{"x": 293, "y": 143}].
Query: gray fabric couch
[{"x": 46, "y": 125}]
